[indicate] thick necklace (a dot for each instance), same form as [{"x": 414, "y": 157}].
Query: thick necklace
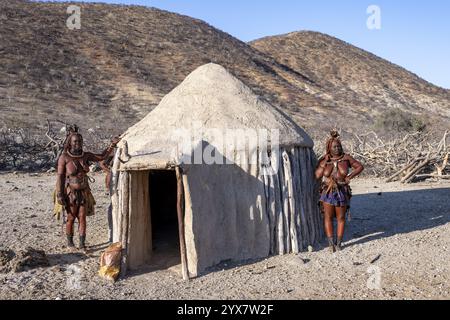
[
  {"x": 337, "y": 159},
  {"x": 75, "y": 156}
]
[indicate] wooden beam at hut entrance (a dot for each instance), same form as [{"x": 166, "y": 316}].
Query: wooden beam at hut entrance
[
  {"x": 180, "y": 214},
  {"x": 139, "y": 242}
]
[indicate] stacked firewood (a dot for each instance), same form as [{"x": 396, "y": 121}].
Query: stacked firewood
[
  {"x": 21, "y": 149},
  {"x": 411, "y": 158}
]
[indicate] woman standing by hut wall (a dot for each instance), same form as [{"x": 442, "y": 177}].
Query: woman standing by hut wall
[{"x": 335, "y": 193}]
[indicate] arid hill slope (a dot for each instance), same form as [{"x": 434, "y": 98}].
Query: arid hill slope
[{"x": 124, "y": 59}]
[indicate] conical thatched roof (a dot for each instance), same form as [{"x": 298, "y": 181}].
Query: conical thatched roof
[{"x": 210, "y": 98}]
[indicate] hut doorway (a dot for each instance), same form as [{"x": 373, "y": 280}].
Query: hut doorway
[{"x": 164, "y": 219}]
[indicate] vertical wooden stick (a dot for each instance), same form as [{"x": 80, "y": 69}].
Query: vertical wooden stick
[
  {"x": 313, "y": 197},
  {"x": 125, "y": 221},
  {"x": 115, "y": 199},
  {"x": 291, "y": 198},
  {"x": 120, "y": 206},
  {"x": 285, "y": 204},
  {"x": 304, "y": 180},
  {"x": 277, "y": 164},
  {"x": 298, "y": 193},
  {"x": 180, "y": 213}
]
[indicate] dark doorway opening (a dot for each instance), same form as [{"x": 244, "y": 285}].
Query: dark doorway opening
[{"x": 164, "y": 219}]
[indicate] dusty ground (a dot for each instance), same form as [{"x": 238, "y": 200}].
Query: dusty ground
[{"x": 400, "y": 237}]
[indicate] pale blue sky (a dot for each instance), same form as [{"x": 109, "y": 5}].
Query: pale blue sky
[{"x": 413, "y": 34}]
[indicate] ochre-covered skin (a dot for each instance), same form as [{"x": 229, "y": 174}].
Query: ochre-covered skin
[
  {"x": 334, "y": 170},
  {"x": 72, "y": 184}
]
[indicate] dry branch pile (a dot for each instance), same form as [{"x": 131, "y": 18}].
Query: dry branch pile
[
  {"x": 413, "y": 157},
  {"x": 430, "y": 162},
  {"x": 22, "y": 150}
]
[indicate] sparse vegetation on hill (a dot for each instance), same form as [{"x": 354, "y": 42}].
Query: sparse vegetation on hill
[
  {"x": 364, "y": 87},
  {"x": 399, "y": 121},
  {"x": 124, "y": 59},
  {"x": 119, "y": 65}
]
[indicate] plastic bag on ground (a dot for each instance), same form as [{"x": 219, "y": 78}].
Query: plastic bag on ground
[{"x": 110, "y": 261}]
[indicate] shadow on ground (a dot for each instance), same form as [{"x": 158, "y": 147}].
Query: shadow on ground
[{"x": 376, "y": 216}]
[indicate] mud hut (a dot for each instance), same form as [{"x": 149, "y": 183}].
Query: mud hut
[{"x": 213, "y": 173}]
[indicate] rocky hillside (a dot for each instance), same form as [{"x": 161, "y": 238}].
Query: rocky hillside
[
  {"x": 361, "y": 84},
  {"x": 124, "y": 59}
]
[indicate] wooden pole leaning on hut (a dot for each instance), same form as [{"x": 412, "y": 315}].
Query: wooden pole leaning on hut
[
  {"x": 125, "y": 190},
  {"x": 180, "y": 213}
]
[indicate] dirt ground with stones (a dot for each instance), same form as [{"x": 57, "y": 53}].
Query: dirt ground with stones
[{"x": 397, "y": 247}]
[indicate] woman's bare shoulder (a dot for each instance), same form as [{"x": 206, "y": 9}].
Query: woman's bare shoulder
[{"x": 348, "y": 157}]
